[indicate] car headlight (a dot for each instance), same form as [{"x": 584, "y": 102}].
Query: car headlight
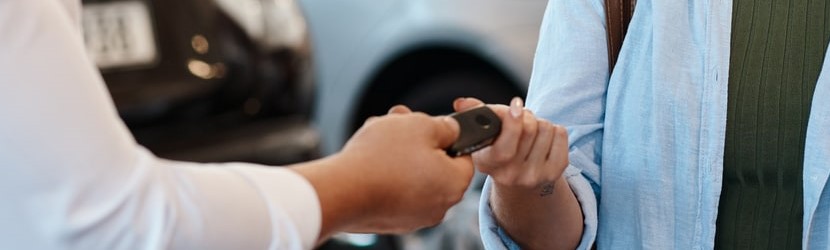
[{"x": 287, "y": 24}]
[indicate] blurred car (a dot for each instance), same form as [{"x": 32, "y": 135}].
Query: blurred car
[
  {"x": 208, "y": 80},
  {"x": 370, "y": 55}
]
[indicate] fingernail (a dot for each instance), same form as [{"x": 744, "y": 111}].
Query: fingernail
[{"x": 516, "y": 108}]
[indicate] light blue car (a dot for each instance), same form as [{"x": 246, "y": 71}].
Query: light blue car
[{"x": 370, "y": 55}]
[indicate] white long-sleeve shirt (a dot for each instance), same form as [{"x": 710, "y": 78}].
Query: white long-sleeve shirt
[{"x": 72, "y": 176}]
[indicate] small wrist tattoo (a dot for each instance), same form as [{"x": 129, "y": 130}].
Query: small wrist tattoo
[{"x": 547, "y": 189}]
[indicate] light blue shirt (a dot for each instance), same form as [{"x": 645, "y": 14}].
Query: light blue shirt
[{"x": 646, "y": 146}]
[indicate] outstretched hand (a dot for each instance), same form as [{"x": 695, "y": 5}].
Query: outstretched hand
[
  {"x": 529, "y": 154},
  {"x": 413, "y": 181},
  {"x": 392, "y": 176}
]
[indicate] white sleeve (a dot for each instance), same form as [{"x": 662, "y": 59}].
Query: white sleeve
[{"x": 74, "y": 178}]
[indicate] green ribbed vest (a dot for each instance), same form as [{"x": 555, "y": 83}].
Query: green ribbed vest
[{"x": 777, "y": 52}]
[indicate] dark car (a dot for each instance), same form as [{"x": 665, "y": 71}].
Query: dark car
[{"x": 208, "y": 80}]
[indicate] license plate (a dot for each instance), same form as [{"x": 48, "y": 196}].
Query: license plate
[{"x": 119, "y": 34}]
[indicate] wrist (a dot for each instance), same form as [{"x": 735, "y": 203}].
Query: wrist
[
  {"x": 342, "y": 197},
  {"x": 540, "y": 189},
  {"x": 529, "y": 218}
]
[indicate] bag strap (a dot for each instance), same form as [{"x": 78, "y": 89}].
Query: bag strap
[{"x": 617, "y": 14}]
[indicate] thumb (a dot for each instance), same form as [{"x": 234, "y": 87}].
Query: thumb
[
  {"x": 445, "y": 131},
  {"x": 448, "y": 132}
]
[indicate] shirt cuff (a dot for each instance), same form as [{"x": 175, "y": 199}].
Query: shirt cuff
[
  {"x": 495, "y": 238},
  {"x": 492, "y": 235},
  {"x": 587, "y": 199}
]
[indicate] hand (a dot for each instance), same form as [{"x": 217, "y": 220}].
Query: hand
[
  {"x": 530, "y": 197},
  {"x": 530, "y": 154},
  {"x": 413, "y": 179},
  {"x": 392, "y": 176}
]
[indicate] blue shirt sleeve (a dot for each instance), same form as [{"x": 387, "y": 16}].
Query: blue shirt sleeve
[{"x": 568, "y": 87}]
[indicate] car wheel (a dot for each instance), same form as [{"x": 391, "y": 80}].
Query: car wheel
[{"x": 435, "y": 95}]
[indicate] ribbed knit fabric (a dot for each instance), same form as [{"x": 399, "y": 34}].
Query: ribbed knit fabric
[{"x": 777, "y": 52}]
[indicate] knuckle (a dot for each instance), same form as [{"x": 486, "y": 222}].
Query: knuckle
[
  {"x": 547, "y": 126},
  {"x": 545, "y": 130},
  {"x": 561, "y": 132}
]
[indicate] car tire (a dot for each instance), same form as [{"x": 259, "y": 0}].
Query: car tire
[{"x": 435, "y": 95}]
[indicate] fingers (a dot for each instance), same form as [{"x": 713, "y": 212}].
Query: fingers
[
  {"x": 462, "y": 104},
  {"x": 559, "y": 150},
  {"x": 543, "y": 144},
  {"x": 399, "y": 109},
  {"x": 529, "y": 131},
  {"x": 445, "y": 130},
  {"x": 466, "y": 103},
  {"x": 506, "y": 144},
  {"x": 501, "y": 110}
]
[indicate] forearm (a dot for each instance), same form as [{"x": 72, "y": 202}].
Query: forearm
[
  {"x": 377, "y": 184},
  {"x": 538, "y": 221},
  {"x": 341, "y": 195}
]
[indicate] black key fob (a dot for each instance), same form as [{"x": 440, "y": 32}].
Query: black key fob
[{"x": 479, "y": 128}]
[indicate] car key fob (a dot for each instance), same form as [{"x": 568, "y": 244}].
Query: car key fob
[{"x": 479, "y": 128}]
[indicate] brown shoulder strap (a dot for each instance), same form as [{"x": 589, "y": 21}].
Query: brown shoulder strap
[{"x": 618, "y": 14}]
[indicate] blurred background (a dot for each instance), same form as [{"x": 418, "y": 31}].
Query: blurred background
[{"x": 282, "y": 81}]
